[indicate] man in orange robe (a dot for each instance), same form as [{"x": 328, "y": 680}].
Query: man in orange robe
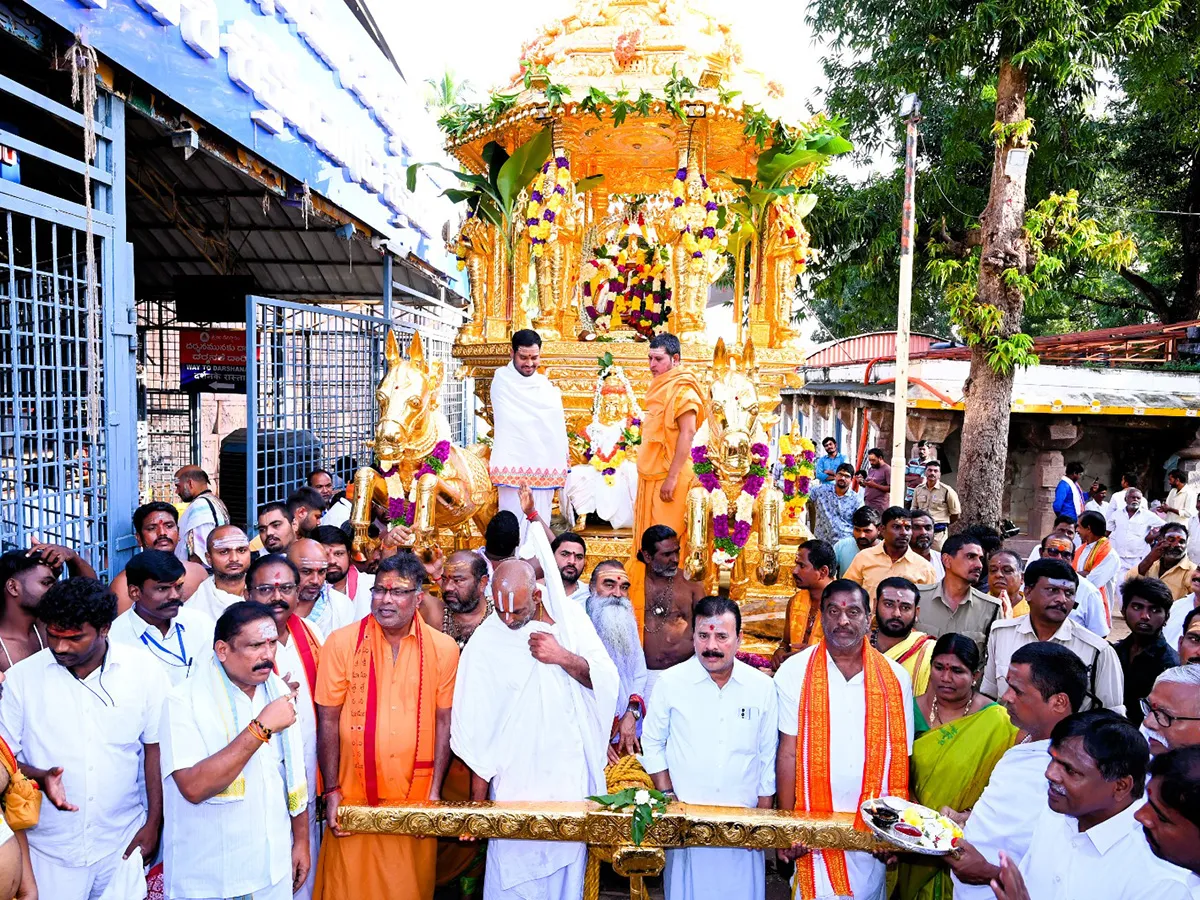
[
  {"x": 384, "y": 690},
  {"x": 674, "y": 410}
]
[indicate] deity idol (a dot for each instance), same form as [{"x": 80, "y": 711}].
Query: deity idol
[{"x": 606, "y": 482}]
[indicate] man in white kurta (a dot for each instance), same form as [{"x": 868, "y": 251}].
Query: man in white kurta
[
  {"x": 847, "y": 718},
  {"x": 710, "y": 738},
  {"x": 177, "y": 636},
  {"x": 82, "y": 717},
  {"x": 529, "y": 440},
  {"x": 235, "y": 840},
  {"x": 1129, "y": 529},
  {"x": 532, "y": 713},
  {"x": 204, "y": 512}
]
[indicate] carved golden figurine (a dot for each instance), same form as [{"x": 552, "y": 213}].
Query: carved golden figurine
[
  {"x": 474, "y": 247},
  {"x": 734, "y": 497},
  {"x": 422, "y": 480}
]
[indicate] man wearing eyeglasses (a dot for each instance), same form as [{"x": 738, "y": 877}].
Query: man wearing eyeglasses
[
  {"x": 384, "y": 692},
  {"x": 275, "y": 582},
  {"x": 229, "y": 556},
  {"x": 1172, "y": 710},
  {"x": 176, "y": 635}
]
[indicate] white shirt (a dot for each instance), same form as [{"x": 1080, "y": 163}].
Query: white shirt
[
  {"x": 1193, "y": 544},
  {"x": 1109, "y": 860},
  {"x": 1090, "y": 611},
  {"x": 717, "y": 743},
  {"x": 1005, "y": 813},
  {"x": 364, "y": 581},
  {"x": 202, "y": 515},
  {"x": 847, "y": 717},
  {"x": 287, "y": 661},
  {"x": 580, "y": 594},
  {"x": 1173, "y": 630},
  {"x": 211, "y": 600},
  {"x": 187, "y": 643},
  {"x": 1129, "y": 535},
  {"x": 221, "y": 849},
  {"x": 95, "y": 729},
  {"x": 1093, "y": 506},
  {"x": 1116, "y": 504},
  {"x": 332, "y": 610},
  {"x": 338, "y": 514},
  {"x": 1184, "y": 500}
]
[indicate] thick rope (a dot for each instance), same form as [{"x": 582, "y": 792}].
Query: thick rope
[{"x": 83, "y": 87}]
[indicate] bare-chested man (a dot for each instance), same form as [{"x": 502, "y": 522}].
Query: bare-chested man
[
  {"x": 465, "y": 601},
  {"x": 156, "y": 527},
  {"x": 668, "y": 600}
]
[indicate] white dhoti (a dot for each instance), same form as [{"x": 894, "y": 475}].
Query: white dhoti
[
  {"x": 54, "y": 880},
  {"x": 529, "y": 446},
  {"x": 280, "y": 890},
  {"x": 730, "y": 873},
  {"x": 588, "y": 492},
  {"x": 535, "y": 733},
  {"x": 543, "y": 502}
]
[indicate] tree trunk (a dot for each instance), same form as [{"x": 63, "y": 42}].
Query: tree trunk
[
  {"x": 1187, "y": 297},
  {"x": 987, "y": 395}
]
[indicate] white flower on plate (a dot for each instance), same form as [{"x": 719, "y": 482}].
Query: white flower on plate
[
  {"x": 745, "y": 507},
  {"x": 641, "y": 798},
  {"x": 722, "y": 559}
]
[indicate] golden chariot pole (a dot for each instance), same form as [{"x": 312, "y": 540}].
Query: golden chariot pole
[{"x": 607, "y": 833}]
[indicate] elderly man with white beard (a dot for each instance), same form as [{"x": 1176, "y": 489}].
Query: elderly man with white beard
[
  {"x": 533, "y": 706},
  {"x": 611, "y": 612}
]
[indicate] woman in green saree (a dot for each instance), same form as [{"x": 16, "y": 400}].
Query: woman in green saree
[{"x": 960, "y": 737}]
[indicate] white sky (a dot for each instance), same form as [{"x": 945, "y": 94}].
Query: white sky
[{"x": 480, "y": 40}]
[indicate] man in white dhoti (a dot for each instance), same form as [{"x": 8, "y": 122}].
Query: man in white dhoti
[
  {"x": 234, "y": 789},
  {"x": 274, "y": 582},
  {"x": 205, "y": 512},
  {"x": 529, "y": 447},
  {"x": 1128, "y": 535},
  {"x": 533, "y": 708},
  {"x": 831, "y": 697},
  {"x": 611, "y": 612},
  {"x": 229, "y": 555},
  {"x": 710, "y": 738}
]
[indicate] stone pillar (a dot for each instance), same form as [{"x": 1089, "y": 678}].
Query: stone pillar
[{"x": 1049, "y": 438}]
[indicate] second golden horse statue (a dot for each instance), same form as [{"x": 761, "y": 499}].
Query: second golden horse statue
[
  {"x": 734, "y": 497},
  {"x": 421, "y": 479}
]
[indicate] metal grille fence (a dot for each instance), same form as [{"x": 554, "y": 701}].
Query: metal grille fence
[
  {"x": 312, "y": 373},
  {"x": 51, "y": 468}
]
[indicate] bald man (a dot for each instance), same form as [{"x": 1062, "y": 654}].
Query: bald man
[
  {"x": 323, "y": 607},
  {"x": 532, "y": 714},
  {"x": 229, "y": 553},
  {"x": 205, "y": 512}
]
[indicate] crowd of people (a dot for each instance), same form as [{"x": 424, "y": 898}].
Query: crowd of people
[{"x": 211, "y": 711}]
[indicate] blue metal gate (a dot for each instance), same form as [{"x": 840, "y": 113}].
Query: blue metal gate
[{"x": 65, "y": 461}]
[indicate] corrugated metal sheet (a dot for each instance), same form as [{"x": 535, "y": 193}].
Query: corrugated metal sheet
[{"x": 865, "y": 347}]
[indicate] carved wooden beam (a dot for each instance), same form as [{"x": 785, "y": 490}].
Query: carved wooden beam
[{"x": 682, "y": 825}]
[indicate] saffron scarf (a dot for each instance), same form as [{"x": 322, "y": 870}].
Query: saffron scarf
[
  {"x": 667, "y": 399},
  {"x": 1085, "y": 562},
  {"x": 885, "y": 729},
  {"x": 308, "y": 649},
  {"x": 22, "y": 801},
  {"x": 364, "y": 713}
]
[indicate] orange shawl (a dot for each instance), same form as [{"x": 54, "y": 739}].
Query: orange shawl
[
  {"x": 666, "y": 400},
  {"x": 804, "y": 621},
  {"x": 364, "y": 713},
  {"x": 1095, "y": 556},
  {"x": 885, "y": 728}
]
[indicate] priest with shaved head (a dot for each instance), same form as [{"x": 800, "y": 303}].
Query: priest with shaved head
[{"x": 532, "y": 714}]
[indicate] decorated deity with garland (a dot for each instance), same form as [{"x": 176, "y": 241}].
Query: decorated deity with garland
[
  {"x": 627, "y": 288},
  {"x": 605, "y": 482}
]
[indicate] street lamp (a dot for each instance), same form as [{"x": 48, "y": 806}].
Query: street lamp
[{"x": 910, "y": 112}]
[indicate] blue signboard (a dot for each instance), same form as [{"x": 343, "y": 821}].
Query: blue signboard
[{"x": 298, "y": 82}]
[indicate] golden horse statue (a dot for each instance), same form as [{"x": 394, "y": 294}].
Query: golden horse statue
[
  {"x": 420, "y": 479},
  {"x": 734, "y": 497}
]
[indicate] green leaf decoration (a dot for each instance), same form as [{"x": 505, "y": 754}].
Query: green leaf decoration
[
  {"x": 589, "y": 183},
  {"x": 521, "y": 168}
]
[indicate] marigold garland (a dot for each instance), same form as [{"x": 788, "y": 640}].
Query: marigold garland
[
  {"x": 628, "y": 286},
  {"x": 799, "y": 466},
  {"x": 545, "y": 203}
]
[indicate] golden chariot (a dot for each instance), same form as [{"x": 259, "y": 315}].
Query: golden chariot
[
  {"x": 631, "y": 161},
  {"x": 665, "y": 163}
]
